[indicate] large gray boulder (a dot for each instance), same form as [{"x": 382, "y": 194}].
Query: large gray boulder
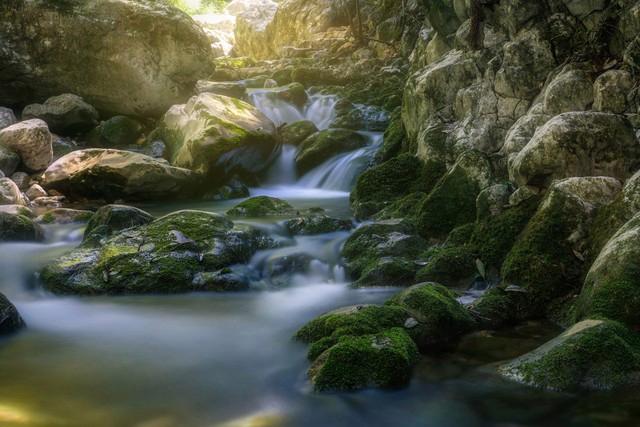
[
  {"x": 10, "y": 194},
  {"x": 134, "y": 57},
  {"x": 117, "y": 174},
  {"x": 32, "y": 141},
  {"x": 66, "y": 113},
  {"x": 7, "y": 117}
]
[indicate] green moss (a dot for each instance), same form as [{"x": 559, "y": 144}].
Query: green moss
[
  {"x": 608, "y": 220},
  {"x": 441, "y": 317},
  {"x": 296, "y": 132},
  {"x": 460, "y": 235},
  {"x": 48, "y": 218},
  {"x": 382, "y": 360},
  {"x": 593, "y": 354},
  {"x": 407, "y": 207},
  {"x": 497, "y": 308},
  {"x": 18, "y": 228},
  {"x": 394, "y": 138},
  {"x": 451, "y": 266},
  {"x": 262, "y": 206}
]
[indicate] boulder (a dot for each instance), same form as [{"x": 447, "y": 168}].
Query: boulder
[
  {"x": 64, "y": 216},
  {"x": 7, "y": 117},
  {"x": 295, "y": 133},
  {"x": 316, "y": 224},
  {"x": 9, "y": 161},
  {"x": 65, "y": 114},
  {"x": 18, "y": 227},
  {"x": 591, "y": 355},
  {"x": 164, "y": 256},
  {"x": 118, "y": 131},
  {"x": 261, "y": 206},
  {"x": 35, "y": 191},
  {"x": 612, "y": 285},
  {"x": 31, "y": 140},
  {"x": 133, "y": 57},
  {"x": 110, "y": 219},
  {"x": 22, "y": 180},
  {"x": 571, "y": 90},
  {"x": 10, "y": 194},
  {"x": 10, "y": 320},
  {"x": 323, "y": 145},
  {"x": 231, "y": 89},
  {"x": 610, "y": 91},
  {"x": 578, "y": 144},
  {"x": 218, "y": 136},
  {"x": 116, "y": 174}
]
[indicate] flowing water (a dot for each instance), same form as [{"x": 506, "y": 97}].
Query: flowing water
[{"x": 203, "y": 360}]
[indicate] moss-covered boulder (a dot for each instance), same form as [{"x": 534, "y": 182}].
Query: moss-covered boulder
[
  {"x": 218, "y": 136},
  {"x": 10, "y": 320},
  {"x": 383, "y": 360},
  {"x": 64, "y": 216},
  {"x": 325, "y": 144},
  {"x": 261, "y": 206},
  {"x": 453, "y": 266},
  {"x": 18, "y": 227},
  {"x": 118, "y": 131},
  {"x": 316, "y": 224},
  {"x": 110, "y": 219},
  {"x": 452, "y": 202},
  {"x": 612, "y": 285},
  {"x": 395, "y": 138},
  {"x": 591, "y": 355},
  {"x": 384, "y": 253},
  {"x": 548, "y": 267},
  {"x": 296, "y": 132},
  {"x": 441, "y": 319},
  {"x": 164, "y": 256},
  {"x": 116, "y": 175},
  {"x": 382, "y": 185}
]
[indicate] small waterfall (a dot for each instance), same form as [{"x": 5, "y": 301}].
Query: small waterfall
[
  {"x": 278, "y": 111},
  {"x": 321, "y": 110},
  {"x": 283, "y": 170}
]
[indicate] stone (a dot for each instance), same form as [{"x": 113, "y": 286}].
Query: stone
[
  {"x": 571, "y": 90},
  {"x": 110, "y": 219},
  {"x": 578, "y": 144},
  {"x": 52, "y": 202},
  {"x": 326, "y": 144},
  {"x": 39, "y": 39},
  {"x": 295, "y": 133},
  {"x": 7, "y": 117},
  {"x": 610, "y": 91},
  {"x": 9, "y": 161},
  {"x": 64, "y": 216},
  {"x": 293, "y": 93},
  {"x": 116, "y": 174},
  {"x": 261, "y": 206},
  {"x": 591, "y": 355},
  {"x": 316, "y": 224},
  {"x": 231, "y": 89},
  {"x": 35, "y": 191},
  {"x": 218, "y": 136},
  {"x": 66, "y": 114},
  {"x": 118, "y": 131},
  {"x": 18, "y": 227},
  {"x": 22, "y": 180},
  {"x": 10, "y": 320},
  {"x": 10, "y": 194},
  {"x": 32, "y": 141}
]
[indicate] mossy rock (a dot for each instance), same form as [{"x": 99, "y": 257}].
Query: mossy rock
[
  {"x": 395, "y": 138},
  {"x": 295, "y": 133},
  {"x": 498, "y": 307},
  {"x": 407, "y": 207},
  {"x": 19, "y": 228},
  {"x": 326, "y": 144},
  {"x": 381, "y": 185},
  {"x": 261, "y": 206},
  {"x": 384, "y": 253},
  {"x": 612, "y": 285},
  {"x": 293, "y": 93},
  {"x": 113, "y": 218},
  {"x": 441, "y": 318},
  {"x": 453, "y": 200},
  {"x": 460, "y": 235},
  {"x": 118, "y": 131},
  {"x": 164, "y": 256},
  {"x": 383, "y": 360},
  {"x": 316, "y": 224},
  {"x": 10, "y": 319},
  {"x": 453, "y": 266},
  {"x": 591, "y": 355}
]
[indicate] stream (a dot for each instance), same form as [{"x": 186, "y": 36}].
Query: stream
[{"x": 204, "y": 359}]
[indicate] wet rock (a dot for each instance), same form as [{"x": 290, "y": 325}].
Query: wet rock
[
  {"x": 325, "y": 144},
  {"x": 18, "y": 227},
  {"x": 35, "y": 191},
  {"x": 293, "y": 93},
  {"x": 224, "y": 280},
  {"x": 118, "y": 131},
  {"x": 64, "y": 216},
  {"x": 7, "y": 117},
  {"x": 611, "y": 90},
  {"x": 39, "y": 39},
  {"x": 163, "y": 256},
  {"x": 591, "y": 355},
  {"x": 31, "y": 140},
  {"x": 234, "y": 189},
  {"x": 17, "y": 210},
  {"x": 116, "y": 174},
  {"x": 578, "y": 144},
  {"x": 316, "y": 224},
  {"x": 10, "y": 194},
  {"x": 262, "y": 206},
  {"x": 65, "y": 114},
  {"x": 52, "y": 202},
  {"x": 110, "y": 219},
  {"x": 232, "y": 89},
  {"x": 9, "y": 161},
  {"x": 295, "y": 133},
  {"x": 10, "y": 320},
  {"x": 218, "y": 136}
]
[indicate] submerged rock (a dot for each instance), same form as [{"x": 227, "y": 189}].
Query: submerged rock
[
  {"x": 18, "y": 227},
  {"x": 218, "y": 136},
  {"x": 10, "y": 320},
  {"x": 591, "y": 355},
  {"x": 65, "y": 114},
  {"x": 164, "y": 256},
  {"x": 117, "y": 174},
  {"x": 262, "y": 206},
  {"x": 73, "y": 47},
  {"x": 32, "y": 141},
  {"x": 325, "y": 144}
]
